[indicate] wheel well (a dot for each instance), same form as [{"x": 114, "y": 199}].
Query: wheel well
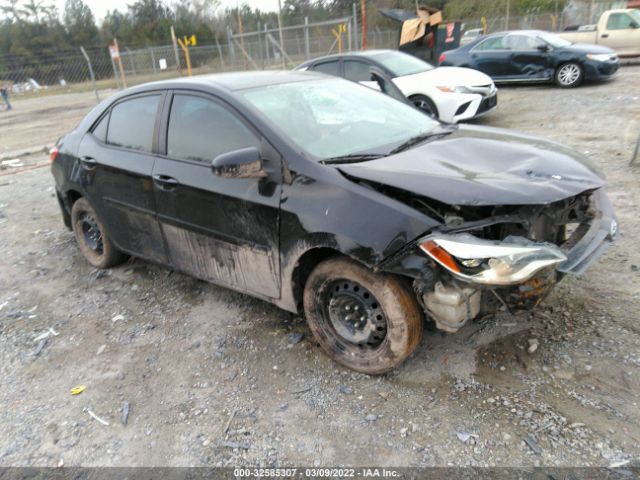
[
  {"x": 72, "y": 196},
  {"x": 304, "y": 266}
]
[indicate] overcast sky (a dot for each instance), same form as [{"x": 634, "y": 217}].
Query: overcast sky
[{"x": 100, "y": 7}]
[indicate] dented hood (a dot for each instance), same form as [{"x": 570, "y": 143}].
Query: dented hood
[{"x": 484, "y": 166}]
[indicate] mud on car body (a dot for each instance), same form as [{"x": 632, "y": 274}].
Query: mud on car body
[{"x": 328, "y": 198}]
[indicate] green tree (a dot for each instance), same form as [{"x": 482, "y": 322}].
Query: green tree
[{"x": 80, "y": 23}]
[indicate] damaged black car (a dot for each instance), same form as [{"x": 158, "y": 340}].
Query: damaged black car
[{"x": 333, "y": 200}]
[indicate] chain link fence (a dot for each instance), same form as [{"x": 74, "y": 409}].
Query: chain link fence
[{"x": 70, "y": 71}]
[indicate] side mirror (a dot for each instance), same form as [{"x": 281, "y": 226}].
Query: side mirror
[
  {"x": 543, "y": 48},
  {"x": 243, "y": 163},
  {"x": 634, "y": 24}
]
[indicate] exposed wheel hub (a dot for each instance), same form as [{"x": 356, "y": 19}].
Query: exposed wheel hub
[
  {"x": 355, "y": 314},
  {"x": 91, "y": 233}
]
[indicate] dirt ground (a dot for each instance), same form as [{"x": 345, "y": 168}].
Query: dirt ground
[{"x": 215, "y": 378}]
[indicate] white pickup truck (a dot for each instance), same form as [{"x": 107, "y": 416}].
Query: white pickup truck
[{"x": 617, "y": 29}]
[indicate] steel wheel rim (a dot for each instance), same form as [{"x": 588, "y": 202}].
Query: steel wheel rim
[
  {"x": 91, "y": 233},
  {"x": 569, "y": 74},
  {"x": 354, "y": 314}
]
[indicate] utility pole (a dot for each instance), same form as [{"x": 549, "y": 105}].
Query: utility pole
[
  {"x": 284, "y": 61},
  {"x": 363, "y": 14}
]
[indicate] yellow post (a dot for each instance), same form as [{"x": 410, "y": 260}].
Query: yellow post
[
  {"x": 186, "y": 55},
  {"x": 338, "y": 36}
]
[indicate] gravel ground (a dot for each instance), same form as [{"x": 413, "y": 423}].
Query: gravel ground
[{"x": 209, "y": 377}]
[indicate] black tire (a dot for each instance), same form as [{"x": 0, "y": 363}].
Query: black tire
[
  {"x": 569, "y": 75},
  {"x": 386, "y": 326},
  {"x": 425, "y": 104},
  {"x": 93, "y": 241}
]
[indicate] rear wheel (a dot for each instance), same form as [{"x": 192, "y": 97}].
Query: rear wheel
[
  {"x": 569, "y": 75},
  {"x": 366, "y": 321},
  {"x": 425, "y": 104},
  {"x": 94, "y": 243}
]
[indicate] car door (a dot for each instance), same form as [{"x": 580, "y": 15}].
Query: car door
[
  {"x": 491, "y": 56},
  {"x": 622, "y": 33},
  {"x": 115, "y": 160},
  {"x": 529, "y": 57},
  {"x": 218, "y": 229}
]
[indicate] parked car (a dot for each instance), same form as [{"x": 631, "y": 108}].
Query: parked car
[
  {"x": 328, "y": 198},
  {"x": 534, "y": 56},
  {"x": 616, "y": 29},
  {"x": 470, "y": 35},
  {"x": 450, "y": 94}
]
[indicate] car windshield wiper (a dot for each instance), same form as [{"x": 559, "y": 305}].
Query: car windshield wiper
[
  {"x": 422, "y": 138},
  {"x": 353, "y": 158}
]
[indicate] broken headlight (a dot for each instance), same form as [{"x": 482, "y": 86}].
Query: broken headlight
[{"x": 513, "y": 260}]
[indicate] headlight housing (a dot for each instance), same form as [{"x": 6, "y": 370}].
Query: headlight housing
[
  {"x": 450, "y": 89},
  {"x": 513, "y": 260},
  {"x": 601, "y": 57}
]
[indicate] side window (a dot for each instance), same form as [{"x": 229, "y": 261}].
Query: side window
[
  {"x": 132, "y": 122},
  {"x": 493, "y": 43},
  {"x": 619, "y": 21},
  {"x": 357, "y": 71},
  {"x": 521, "y": 42},
  {"x": 201, "y": 129},
  {"x": 330, "y": 68},
  {"x": 100, "y": 130}
]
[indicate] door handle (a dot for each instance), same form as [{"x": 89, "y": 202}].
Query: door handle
[
  {"x": 165, "y": 182},
  {"x": 88, "y": 163},
  {"x": 605, "y": 35}
]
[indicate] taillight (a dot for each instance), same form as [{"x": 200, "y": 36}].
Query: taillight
[
  {"x": 53, "y": 153},
  {"x": 442, "y": 58}
]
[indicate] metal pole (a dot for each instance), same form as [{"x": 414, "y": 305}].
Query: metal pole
[
  {"x": 175, "y": 50},
  {"x": 284, "y": 61},
  {"x": 153, "y": 60},
  {"x": 122, "y": 75},
  {"x": 93, "y": 77},
  {"x": 232, "y": 50},
  {"x": 349, "y": 35},
  {"x": 115, "y": 71},
  {"x": 260, "y": 46},
  {"x": 506, "y": 20},
  {"x": 220, "y": 54},
  {"x": 363, "y": 12},
  {"x": 306, "y": 38},
  {"x": 355, "y": 26},
  {"x": 266, "y": 44}
]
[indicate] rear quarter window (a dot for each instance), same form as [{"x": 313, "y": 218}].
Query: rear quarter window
[{"x": 330, "y": 68}]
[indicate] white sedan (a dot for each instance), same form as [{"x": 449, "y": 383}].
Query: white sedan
[{"x": 451, "y": 94}]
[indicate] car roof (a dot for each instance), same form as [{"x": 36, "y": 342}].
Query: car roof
[
  {"x": 234, "y": 81},
  {"x": 362, "y": 53},
  {"x": 525, "y": 32}
]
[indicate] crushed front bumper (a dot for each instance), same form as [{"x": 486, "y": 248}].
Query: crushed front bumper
[{"x": 591, "y": 239}]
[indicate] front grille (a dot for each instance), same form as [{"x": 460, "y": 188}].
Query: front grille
[{"x": 487, "y": 104}]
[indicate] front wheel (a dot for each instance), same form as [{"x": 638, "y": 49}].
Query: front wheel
[
  {"x": 94, "y": 243},
  {"x": 569, "y": 75},
  {"x": 425, "y": 104},
  {"x": 366, "y": 321}
]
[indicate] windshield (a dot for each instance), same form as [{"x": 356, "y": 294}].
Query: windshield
[
  {"x": 401, "y": 64},
  {"x": 554, "y": 40},
  {"x": 333, "y": 117}
]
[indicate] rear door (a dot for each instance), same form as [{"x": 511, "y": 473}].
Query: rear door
[
  {"x": 491, "y": 56},
  {"x": 217, "y": 229},
  {"x": 116, "y": 161}
]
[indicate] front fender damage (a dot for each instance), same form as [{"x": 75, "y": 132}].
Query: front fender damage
[{"x": 540, "y": 243}]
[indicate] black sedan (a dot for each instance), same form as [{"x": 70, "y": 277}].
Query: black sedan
[
  {"x": 534, "y": 56},
  {"x": 328, "y": 198}
]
